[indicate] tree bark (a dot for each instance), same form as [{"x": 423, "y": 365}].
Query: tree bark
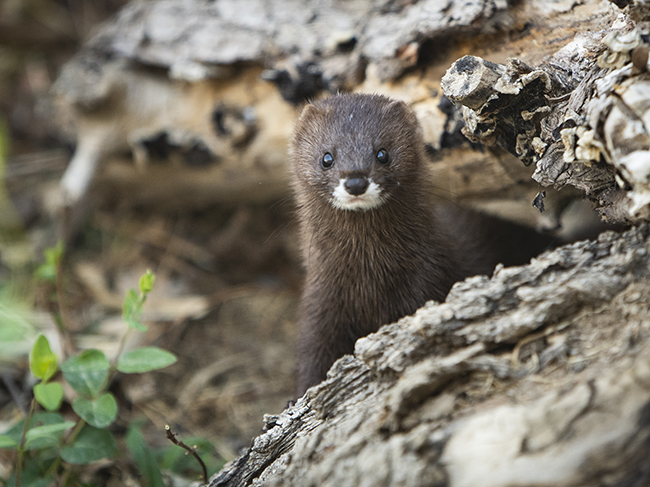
[
  {"x": 173, "y": 109},
  {"x": 537, "y": 376},
  {"x": 581, "y": 117}
]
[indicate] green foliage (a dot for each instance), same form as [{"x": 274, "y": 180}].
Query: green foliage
[
  {"x": 144, "y": 457},
  {"x": 16, "y": 333},
  {"x": 145, "y": 359},
  {"x": 44, "y": 439},
  {"x": 50, "y": 396},
  {"x": 8, "y": 442},
  {"x": 46, "y": 430},
  {"x": 87, "y": 373},
  {"x": 133, "y": 302},
  {"x": 48, "y": 271},
  {"x": 91, "y": 444},
  {"x": 34, "y": 476},
  {"x": 42, "y": 362},
  {"x": 132, "y": 309},
  {"x": 145, "y": 284},
  {"x": 99, "y": 412},
  {"x": 47, "y": 435}
]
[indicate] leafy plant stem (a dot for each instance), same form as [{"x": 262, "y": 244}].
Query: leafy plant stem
[
  {"x": 21, "y": 448},
  {"x": 120, "y": 348},
  {"x": 64, "y": 323},
  {"x": 68, "y": 441},
  {"x": 112, "y": 372}
]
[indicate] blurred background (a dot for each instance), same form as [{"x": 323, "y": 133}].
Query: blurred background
[{"x": 227, "y": 274}]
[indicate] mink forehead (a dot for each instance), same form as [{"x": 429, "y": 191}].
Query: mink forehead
[{"x": 354, "y": 130}]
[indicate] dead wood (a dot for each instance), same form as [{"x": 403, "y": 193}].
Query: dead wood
[
  {"x": 171, "y": 108},
  {"x": 537, "y": 376},
  {"x": 582, "y": 116}
]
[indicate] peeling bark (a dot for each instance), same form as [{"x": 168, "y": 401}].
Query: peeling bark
[
  {"x": 587, "y": 128},
  {"x": 170, "y": 109}
]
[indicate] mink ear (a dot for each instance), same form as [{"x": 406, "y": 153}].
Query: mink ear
[
  {"x": 306, "y": 126},
  {"x": 308, "y": 113},
  {"x": 398, "y": 108},
  {"x": 397, "y": 105}
]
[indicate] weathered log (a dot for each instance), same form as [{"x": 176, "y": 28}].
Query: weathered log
[
  {"x": 209, "y": 49},
  {"x": 170, "y": 108},
  {"x": 537, "y": 376},
  {"x": 582, "y": 116}
]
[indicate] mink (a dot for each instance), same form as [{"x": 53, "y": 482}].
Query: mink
[{"x": 373, "y": 246}]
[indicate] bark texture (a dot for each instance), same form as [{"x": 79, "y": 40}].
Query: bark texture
[
  {"x": 537, "y": 376},
  {"x": 209, "y": 104},
  {"x": 582, "y": 116},
  {"x": 184, "y": 104}
]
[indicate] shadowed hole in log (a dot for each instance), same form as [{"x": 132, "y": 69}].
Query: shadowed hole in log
[{"x": 160, "y": 150}]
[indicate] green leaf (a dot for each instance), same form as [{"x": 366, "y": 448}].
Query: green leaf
[
  {"x": 144, "y": 457},
  {"x": 45, "y": 272},
  {"x": 91, "y": 444},
  {"x": 39, "y": 419},
  {"x": 132, "y": 309},
  {"x": 8, "y": 442},
  {"x": 146, "y": 282},
  {"x": 42, "y": 361},
  {"x": 53, "y": 256},
  {"x": 47, "y": 435},
  {"x": 49, "y": 395},
  {"x": 33, "y": 474},
  {"x": 145, "y": 359},
  {"x": 16, "y": 331},
  {"x": 99, "y": 412},
  {"x": 86, "y": 373}
]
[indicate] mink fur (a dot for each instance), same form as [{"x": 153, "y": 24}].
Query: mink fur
[{"x": 369, "y": 267}]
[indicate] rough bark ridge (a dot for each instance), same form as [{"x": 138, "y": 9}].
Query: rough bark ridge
[
  {"x": 184, "y": 77},
  {"x": 582, "y": 116},
  {"x": 547, "y": 364}
]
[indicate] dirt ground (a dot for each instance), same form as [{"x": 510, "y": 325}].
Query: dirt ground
[{"x": 227, "y": 278}]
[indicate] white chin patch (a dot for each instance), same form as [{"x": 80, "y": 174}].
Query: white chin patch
[{"x": 343, "y": 200}]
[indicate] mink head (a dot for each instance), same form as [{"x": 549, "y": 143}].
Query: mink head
[{"x": 355, "y": 151}]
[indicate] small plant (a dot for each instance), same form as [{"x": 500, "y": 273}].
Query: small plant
[{"x": 47, "y": 444}]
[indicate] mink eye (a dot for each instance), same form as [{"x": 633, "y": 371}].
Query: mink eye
[
  {"x": 327, "y": 161},
  {"x": 382, "y": 156}
]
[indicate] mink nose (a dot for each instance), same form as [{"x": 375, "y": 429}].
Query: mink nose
[{"x": 356, "y": 186}]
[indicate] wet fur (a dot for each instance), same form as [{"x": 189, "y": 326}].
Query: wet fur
[{"x": 366, "y": 268}]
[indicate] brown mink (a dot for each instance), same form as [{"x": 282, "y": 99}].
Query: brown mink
[{"x": 374, "y": 247}]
